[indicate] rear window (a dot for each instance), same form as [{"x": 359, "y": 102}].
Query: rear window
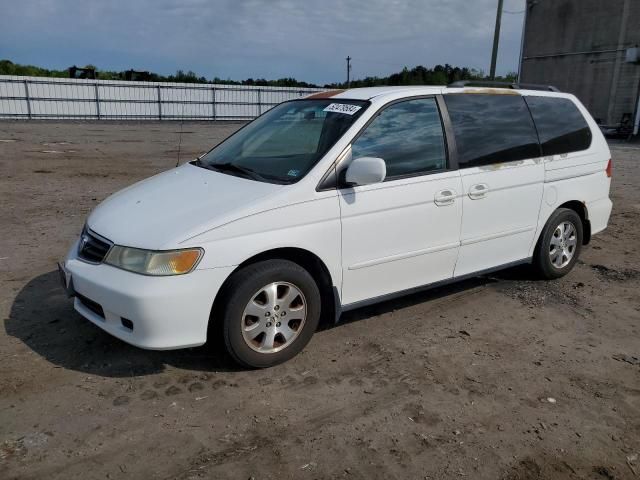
[
  {"x": 491, "y": 129},
  {"x": 561, "y": 126}
]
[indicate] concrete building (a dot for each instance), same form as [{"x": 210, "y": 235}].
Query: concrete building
[{"x": 588, "y": 48}]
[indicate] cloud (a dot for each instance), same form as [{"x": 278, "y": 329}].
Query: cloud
[{"x": 258, "y": 38}]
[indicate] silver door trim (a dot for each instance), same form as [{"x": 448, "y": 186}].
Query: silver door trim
[
  {"x": 402, "y": 256},
  {"x": 493, "y": 236}
]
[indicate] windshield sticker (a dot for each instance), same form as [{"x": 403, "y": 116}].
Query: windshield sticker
[
  {"x": 293, "y": 173},
  {"x": 342, "y": 108}
]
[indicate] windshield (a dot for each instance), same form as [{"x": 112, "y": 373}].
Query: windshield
[{"x": 282, "y": 145}]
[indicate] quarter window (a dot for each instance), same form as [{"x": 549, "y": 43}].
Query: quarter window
[
  {"x": 408, "y": 136},
  {"x": 561, "y": 126},
  {"x": 491, "y": 129}
]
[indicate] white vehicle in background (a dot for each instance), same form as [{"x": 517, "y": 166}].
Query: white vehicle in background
[{"x": 339, "y": 200}]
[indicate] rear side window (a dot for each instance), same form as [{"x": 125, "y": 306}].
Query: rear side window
[
  {"x": 561, "y": 126},
  {"x": 491, "y": 129},
  {"x": 408, "y": 136}
]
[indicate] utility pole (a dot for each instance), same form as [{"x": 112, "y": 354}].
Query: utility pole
[
  {"x": 348, "y": 72},
  {"x": 527, "y": 6},
  {"x": 496, "y": 41}
]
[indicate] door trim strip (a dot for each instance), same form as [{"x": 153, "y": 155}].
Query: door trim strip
[
  {"x": 493, "y": 236},
  {"x": 402, "y": 256}
]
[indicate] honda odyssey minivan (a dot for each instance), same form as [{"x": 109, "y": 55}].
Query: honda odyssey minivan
[{"x": 339, "y": 200}]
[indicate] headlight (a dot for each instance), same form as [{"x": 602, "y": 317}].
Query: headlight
[{"x": 148, "y": 262}]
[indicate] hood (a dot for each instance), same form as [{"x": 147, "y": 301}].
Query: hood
[{"x": 159, "y": 212}]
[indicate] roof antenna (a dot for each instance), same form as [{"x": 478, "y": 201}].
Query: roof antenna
[{"x": 180, "y": 135}]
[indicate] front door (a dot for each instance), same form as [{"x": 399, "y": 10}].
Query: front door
[{"x": 404, "y": 232}]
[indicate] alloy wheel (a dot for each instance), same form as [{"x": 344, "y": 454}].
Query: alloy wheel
[
  {"x": 274, "y": 317},
  {"x": 562, "y": 246}
]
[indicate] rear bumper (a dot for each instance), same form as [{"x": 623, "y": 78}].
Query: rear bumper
[
  {"x": 599, "y": 213},
  {"x": 164, "y": 312}
]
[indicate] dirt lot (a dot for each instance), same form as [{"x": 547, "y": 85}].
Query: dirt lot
[{"x": 497, "y": 377}]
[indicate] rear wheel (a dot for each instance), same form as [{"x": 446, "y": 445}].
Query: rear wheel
[
  {"x": 271, "y": 312},
  {"x": 559, "y": 245}
]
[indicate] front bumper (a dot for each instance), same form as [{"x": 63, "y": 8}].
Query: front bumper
[{"x": 158, "y": 313}]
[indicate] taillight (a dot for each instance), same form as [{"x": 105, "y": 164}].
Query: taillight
[{"x": 609, "y": 169}]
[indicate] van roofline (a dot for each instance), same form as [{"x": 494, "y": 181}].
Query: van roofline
[
  {"x": 509, "y": 85},
  {"x": 370, "y": 93}
]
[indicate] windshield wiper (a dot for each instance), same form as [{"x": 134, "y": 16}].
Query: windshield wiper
[{"x": 232, "y": 167}]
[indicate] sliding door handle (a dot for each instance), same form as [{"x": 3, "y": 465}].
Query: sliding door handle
[
  {"x": 478, "y": 191},
  {"x": 445, "y": 197}
]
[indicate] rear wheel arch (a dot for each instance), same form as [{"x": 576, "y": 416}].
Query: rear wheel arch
[
  {"x": 561, "y": 238},
  {"x": 581, "y": 209}
]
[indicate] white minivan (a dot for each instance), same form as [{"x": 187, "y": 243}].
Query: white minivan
[{"x": 339, "y": 200}]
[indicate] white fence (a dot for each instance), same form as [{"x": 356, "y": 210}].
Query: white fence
[{"x": 61, "y": 98}]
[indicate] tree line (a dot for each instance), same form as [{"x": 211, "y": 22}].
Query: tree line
[{"x": 419, "y": 75}]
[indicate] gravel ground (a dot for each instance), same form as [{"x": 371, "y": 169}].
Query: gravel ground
[{"x": 499, "y": 377}]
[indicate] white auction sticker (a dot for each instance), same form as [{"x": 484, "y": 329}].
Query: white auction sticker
[{"x": 342, "y": 108}]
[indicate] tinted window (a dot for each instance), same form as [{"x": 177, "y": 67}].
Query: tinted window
[
  {"x": 407, "y": 136},
  {"x": 491, "y": 129},
  {"x": 561, "y": 126}
]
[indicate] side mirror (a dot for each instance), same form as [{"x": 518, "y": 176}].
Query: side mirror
[{"x": 365, "y": 171}]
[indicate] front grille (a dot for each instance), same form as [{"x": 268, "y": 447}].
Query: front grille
[
  {"x": 92, "y": 248},
  {"x": 91, "y": 305}
]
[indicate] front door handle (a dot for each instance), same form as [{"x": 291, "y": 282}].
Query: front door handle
[
  {"x": 445, "y": 197},
  {"x": 478, "y": 191}
]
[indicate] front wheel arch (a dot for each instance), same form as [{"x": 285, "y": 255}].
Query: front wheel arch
[{"x": 307, "y": 260}]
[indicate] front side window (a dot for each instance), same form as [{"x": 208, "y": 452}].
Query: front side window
[
  {"x": 407, "y": 136},
  {"x": 491, "y": 129},
  {"x": 561, "y": 126},
  {"x": 282, "y": 145}
]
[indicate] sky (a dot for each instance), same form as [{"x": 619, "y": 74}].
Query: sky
[{"x": 239, "y": 39}]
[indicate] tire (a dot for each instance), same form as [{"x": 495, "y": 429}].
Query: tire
[
  {"x": 271, "y": 311},
  {"x": 559, "y": 245}
]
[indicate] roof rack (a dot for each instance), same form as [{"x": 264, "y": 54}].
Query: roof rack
[{"x": 512, "y": 85}]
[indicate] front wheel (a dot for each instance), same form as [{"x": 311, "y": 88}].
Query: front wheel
[
  {"x": 559, "y": 245},
  {"x": 271, "y": 312}
]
